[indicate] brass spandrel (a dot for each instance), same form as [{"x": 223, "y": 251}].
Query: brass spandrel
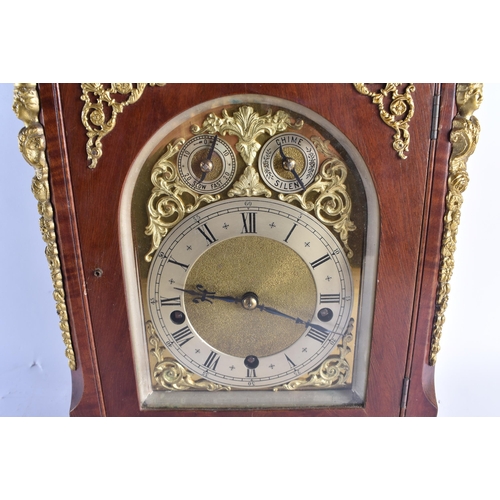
[
  {"x": 102, "y": 105},
  {"x": 396, "y": 110}
]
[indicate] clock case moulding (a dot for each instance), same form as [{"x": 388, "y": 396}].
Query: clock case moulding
[{"x": 411, "y": 184}]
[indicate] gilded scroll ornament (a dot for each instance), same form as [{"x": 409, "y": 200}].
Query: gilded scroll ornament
[
  {"x": 248, "y": 125},
  {"x": 32, "y": 146},
  {"x": 333, "y": 372},
  {"x": 399, "y": 113},
  {"x": 249, "y": 185},
  {"x": 327, "y": 195},
  {"x": 170, "y": 199},
  {"x": 464, "y": 136},
  {"x": 101, "y": 109},
  {"x": 169, "y": 374}
]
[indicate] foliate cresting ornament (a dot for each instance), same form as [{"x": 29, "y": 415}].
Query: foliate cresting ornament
[
  {"x": 32, "y": 146},
  {"x": 248, "y": 125},
  {"x": 101, "y": 109},
  {"x": 463, "y": 137},
  {"x": 171, "y": 200},
  {"x": 399, "y": 113},
  {"x": 169, "y": 374}
]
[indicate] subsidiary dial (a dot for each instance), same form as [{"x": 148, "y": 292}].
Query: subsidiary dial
[
  {"x": 288, "y": 162},
  {"x": 206, "y": 164}
]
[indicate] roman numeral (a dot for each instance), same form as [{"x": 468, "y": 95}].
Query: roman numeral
[
  {"x": 180, "y": 336},
  {"x": 249, "y": 222},
  {"x": 212, "y": 361},
  {"x": 320, "y": 261},
  {"x": 208, "y": 234},
  {"x": 251, "y": 372},
  {"x": 291, "y": 231},
  {"x": 318, "y": 335},
  {"x": 329, "y": 298},
  {"x": 173, "y": 261},
  {"x": 173, "y": 301}
]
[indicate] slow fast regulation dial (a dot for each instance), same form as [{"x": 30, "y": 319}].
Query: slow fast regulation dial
[
  {"x": 250, "y": 293},
  {"x": 206, "y": 164}
]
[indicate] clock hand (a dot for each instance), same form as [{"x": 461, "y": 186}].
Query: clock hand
[
  {"x": 249, "y": 301},
  {"x": 211, "y": 152},
  {"x": 271, "y": 310},
  {"x": 298, "y": 179},
  {"x": 203, "y": 295},
  {"x": 289, "y": 164},
  {"x": 207, "y": 165}
]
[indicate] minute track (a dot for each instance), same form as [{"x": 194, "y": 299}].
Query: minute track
[{"x": 213, "y": 306}]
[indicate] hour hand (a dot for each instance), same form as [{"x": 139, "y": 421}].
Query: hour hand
[{"x": 203, "y": 295}]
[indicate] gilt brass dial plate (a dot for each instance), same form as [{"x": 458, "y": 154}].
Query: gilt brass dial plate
[{"x": 295, "y": 268}]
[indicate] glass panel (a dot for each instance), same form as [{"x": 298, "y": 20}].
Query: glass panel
[{"x": 249, "y": 236}]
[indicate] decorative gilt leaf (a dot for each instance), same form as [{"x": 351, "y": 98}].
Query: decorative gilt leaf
[
  {"x": 170, "y": 199},
  {"x": 169, "y": 374},
  {"x": 249, "y": 185},
  {"x": 327, "y": 195},
  {"x": 334, "y": 371}
]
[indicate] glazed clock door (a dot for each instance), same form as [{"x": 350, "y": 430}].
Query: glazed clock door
[
  {"x": 259, "y": 213},
  {"x": 261, "y": 250}
]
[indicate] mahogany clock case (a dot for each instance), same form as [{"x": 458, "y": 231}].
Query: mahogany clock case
[{"x": 411, "y": 201}]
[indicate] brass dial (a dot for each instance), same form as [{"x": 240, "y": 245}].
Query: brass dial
[
  {"x": 206, "y": 164},
  {"x": 250, "y": 293},
  {"x": 288, "y": 162}
]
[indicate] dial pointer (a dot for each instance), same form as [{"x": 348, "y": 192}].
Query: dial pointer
[
  {"x": 299, "y": 180},
  {"x": 207, "y": 165},
  {"x": 289, "y": 164},
  {"x": 271, "y": 310},
  {"x": 211, "y": 152},
  {"x": 203, "y": 295}
]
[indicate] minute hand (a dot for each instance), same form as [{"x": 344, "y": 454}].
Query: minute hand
[{"x": 271, "y": 310}]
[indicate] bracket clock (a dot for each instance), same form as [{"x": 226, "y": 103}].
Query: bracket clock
[{"x": 250, "y": 250}]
